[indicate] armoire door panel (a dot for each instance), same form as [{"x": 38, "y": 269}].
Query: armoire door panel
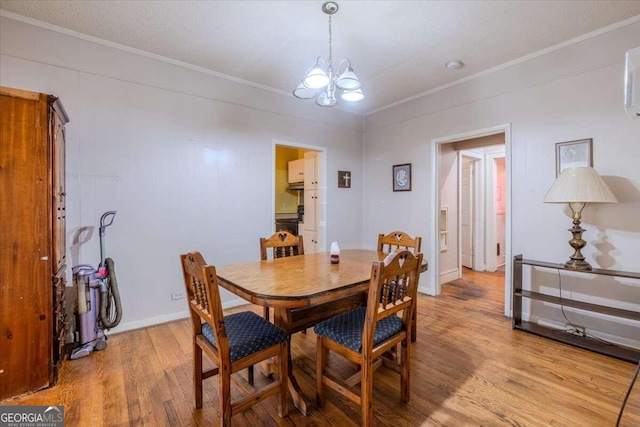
[{"x": 30, "y": 256}]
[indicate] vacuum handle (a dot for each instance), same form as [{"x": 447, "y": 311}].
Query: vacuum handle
[
  {"x": 107, "y": 216},
  {"x": 105, "y": 220}
]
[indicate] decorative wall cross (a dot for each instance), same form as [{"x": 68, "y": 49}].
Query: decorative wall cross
[{"x": 344, "y": 179}]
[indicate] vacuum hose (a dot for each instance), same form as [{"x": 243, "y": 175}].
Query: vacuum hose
[{"x": 110, "y": 304}]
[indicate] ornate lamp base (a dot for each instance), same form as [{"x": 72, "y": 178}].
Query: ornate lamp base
[
  {"x": 577, "y": 261},
  {"x": 577, "y": 265}
]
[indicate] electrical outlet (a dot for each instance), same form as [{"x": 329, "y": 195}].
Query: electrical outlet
[
  {"x": 177, "y": 295},
  {"x": 576, "y": 330}
]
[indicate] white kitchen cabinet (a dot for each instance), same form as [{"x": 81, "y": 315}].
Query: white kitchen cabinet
[
  {"x": 311, "y": 204},
  {"x": 310, "y": 209},
  {"x": 296, "y": 169},
  {"x": 310, "y": 238},
  {"x": 310, "y": 224},
  {"x": 310, "y": 170}
]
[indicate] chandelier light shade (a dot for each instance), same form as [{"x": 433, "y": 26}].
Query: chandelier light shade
[
  {"x": 316, "y": 78},
  {"x": 577, "y": 187},
  {"x": 352, "y": 95},
  {"x": 348, "y": 80},
  {"x": 326, "y": 100},
  {"x": 322, "y": 83},
  {"x": 304, "y": 92}
]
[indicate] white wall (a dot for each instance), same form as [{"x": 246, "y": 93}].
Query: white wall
[
  {"x": 571, "y": 93},
  {"x": 186, "y": 158}
]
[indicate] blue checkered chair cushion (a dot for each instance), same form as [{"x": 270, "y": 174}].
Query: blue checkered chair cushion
[
  {"x": 346, "y": 328},
  {"x": 248, "y": 333}
]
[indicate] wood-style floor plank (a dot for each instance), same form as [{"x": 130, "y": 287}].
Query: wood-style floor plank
[{"x": 469, "y": 368}]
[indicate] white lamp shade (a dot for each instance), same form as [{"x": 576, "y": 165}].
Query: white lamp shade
[
  {"x": 579, "y": 185},
  {"x": 352, "y": 95},
  {"x": 304, "y": 92},
  {"x": 348, "y": 80},
  {"x": 316, "y": 78}
]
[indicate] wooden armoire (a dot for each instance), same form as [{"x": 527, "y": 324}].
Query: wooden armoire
[{"x": 32, "y": 240}]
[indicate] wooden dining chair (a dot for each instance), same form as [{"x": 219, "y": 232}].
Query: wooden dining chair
[
  {"x": 398, "y": 240},
  {"x": 364, "y": 334},
  {"x": 283, "y": 244},
  {"x": 233, "y": 342}
]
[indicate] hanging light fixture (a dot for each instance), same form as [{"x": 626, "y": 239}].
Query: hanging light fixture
[{"x": 320, "y": 81}]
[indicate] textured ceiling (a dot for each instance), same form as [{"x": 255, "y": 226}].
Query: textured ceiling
[{"x": 397, "y": 48}]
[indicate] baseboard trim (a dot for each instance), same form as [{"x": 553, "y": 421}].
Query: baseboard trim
[
  {"x": 608, "y": 337},
  {"x": 152, "y": 321},
  {"x": 448, "y": 276}
]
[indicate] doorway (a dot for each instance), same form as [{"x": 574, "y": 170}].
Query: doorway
[
  {"x": 301, "y": 200},
  {"x": 482, "y": 203},
  {"x": 481, "y": 239},
  {"x": 482, "y": 215}
]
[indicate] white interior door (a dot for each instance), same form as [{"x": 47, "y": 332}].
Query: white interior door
[
  {"x": 495, "y": 224},
  {"x": 500, "y": 211},
  {"x": 466, "y": 212}
]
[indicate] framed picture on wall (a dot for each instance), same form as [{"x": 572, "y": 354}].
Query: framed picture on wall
[
  {"x": 402, "y": 177},
  {"x": 344, "y": 179},
  {"x": 573, "y": 153}
]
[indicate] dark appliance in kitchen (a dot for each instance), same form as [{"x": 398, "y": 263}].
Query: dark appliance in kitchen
[{"x": 287, "y": 224}]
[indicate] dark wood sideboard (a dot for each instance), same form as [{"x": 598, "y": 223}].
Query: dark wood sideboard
[{"x": 623, "y": 353}]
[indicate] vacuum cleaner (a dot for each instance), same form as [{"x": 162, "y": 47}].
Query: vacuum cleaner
[{"x": 98, "y": 306}]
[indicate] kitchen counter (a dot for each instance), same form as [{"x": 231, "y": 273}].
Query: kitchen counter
[{"x": 291, "y": 215}]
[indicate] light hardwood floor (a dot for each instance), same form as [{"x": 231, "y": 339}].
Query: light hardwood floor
[{"x": 469, "y": 368}]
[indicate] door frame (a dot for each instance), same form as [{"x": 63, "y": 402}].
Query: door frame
[
  {"x": 321, "y": 204},
  {"x": 433, "y": 284}
]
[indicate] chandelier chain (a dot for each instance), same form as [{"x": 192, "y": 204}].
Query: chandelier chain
[{"x": 330, "y": 40}]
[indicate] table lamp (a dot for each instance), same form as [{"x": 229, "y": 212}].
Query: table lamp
[{"x": 577, "y": 187}]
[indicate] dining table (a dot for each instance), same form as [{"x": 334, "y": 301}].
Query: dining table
[{"x": 303, "y": 290}]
